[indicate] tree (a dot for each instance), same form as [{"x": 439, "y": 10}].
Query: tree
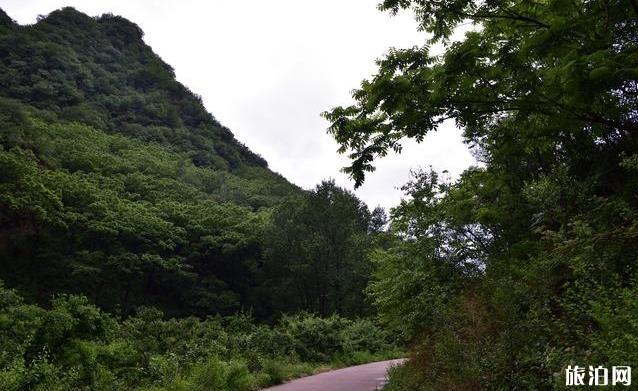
[
  {"x": 316, "y": 257},
  {"x": 503, "y": 277},
  {"x": 547, "y": 79}
]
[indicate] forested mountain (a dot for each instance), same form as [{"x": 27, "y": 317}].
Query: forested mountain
[
  {"x": 115, "y": 182},
  {"x": 142, "y": 246},
  {"x": 99, "y": 71}
]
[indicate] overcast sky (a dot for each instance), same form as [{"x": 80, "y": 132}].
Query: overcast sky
[{"x": 267, "y": 69}]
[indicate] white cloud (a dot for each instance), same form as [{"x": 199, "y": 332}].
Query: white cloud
[{"x": 266, "y": 69}]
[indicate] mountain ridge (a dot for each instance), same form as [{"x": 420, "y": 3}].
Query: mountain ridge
[{"x": 122, "y": 53}]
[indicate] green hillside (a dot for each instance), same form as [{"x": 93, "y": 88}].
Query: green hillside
[
  {"x": 133, "y": 192},
  {"x": 99, "y": 71}
]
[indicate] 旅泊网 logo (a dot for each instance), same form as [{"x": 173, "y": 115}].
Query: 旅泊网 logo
[{"x": 597, "y": 376}]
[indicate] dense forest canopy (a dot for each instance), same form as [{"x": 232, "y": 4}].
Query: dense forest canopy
[{"x": 528, "y": 263}]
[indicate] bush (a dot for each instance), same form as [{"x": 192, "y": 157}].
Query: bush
[
  {"x": 75, "y": 345},
  {"x": 319, "y": 339}
]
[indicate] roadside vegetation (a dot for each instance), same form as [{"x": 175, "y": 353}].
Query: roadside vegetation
[
  {"x": 527, "y": 263},
  {"x": 75, "y": 345}
]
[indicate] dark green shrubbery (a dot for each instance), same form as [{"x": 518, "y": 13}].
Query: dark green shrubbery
[
  {"x": 334, "y": 338},
  {"x": 75, "y": 345}
]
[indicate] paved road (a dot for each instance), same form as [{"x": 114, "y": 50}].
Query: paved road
[{"x": 366, "y": 377}]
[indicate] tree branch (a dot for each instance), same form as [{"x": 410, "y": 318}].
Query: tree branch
[{"x": 520, "y": 18}]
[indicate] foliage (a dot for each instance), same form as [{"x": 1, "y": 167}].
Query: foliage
[
  {"x": 317, "y": 255},
  {"x": 124, "y": 200},
  {"x": 528, "y": 76},
  {"x": 74, "y": 345},
  {"x": 123, "y": 220},
  {"x": 525, "y": 264}
]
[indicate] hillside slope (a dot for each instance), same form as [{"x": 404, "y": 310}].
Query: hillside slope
[{"x": 115, "y": 182}]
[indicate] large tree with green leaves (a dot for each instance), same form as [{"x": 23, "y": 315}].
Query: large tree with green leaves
[
  {"x": 548, "y": 78},
  {"x": 316, "y": 252},
  {"x": 508, "y": 275}
]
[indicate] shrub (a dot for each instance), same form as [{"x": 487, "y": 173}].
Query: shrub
[{"x": 75, "y": 345}]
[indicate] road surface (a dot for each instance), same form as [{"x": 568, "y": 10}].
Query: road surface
[{"x": 366, "y": 377}]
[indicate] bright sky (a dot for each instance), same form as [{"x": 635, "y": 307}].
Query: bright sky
[{"x": 267, "y": 69}]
